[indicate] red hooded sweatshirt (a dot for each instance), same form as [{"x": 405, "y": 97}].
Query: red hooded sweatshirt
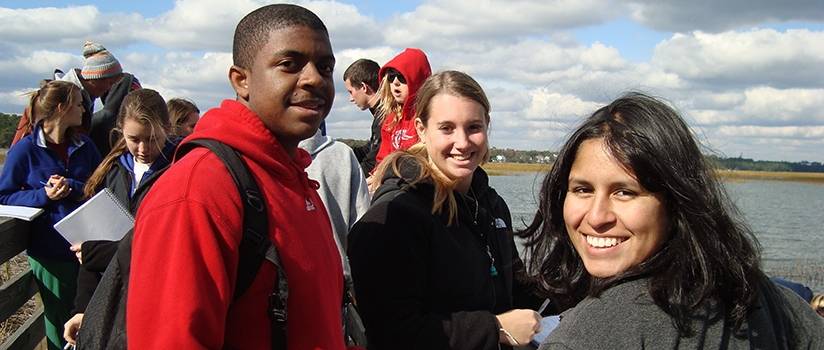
[
  {"x": 184, "y": 253},
  {"x": 414, "y": 66}
]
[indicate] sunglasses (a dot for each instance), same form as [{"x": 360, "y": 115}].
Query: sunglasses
[{"x": 392, "y": 74}]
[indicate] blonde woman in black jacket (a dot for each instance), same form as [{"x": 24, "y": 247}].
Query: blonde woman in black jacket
[{"x": 433, "y": 260}]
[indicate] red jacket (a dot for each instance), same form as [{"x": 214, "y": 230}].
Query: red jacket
[
  {"x": 414, "y": 66},
  {"x": 184, "y": 254}
]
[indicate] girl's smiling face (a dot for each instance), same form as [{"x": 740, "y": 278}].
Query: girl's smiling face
[
  {"x": 613, "y": 222},
  {"x": 455, "y": 136}
]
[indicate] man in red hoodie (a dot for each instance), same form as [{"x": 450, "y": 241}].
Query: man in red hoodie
[{"x": 185, "y": 249}]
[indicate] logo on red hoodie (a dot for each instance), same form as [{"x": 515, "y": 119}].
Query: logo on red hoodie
[{"x": 399, "y": 136}]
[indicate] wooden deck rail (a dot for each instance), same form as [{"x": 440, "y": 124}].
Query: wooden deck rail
[{"x": 14, "y": 293}]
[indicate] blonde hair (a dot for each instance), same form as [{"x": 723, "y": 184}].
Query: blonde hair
[
  {"x": 386, "y": 102},
  {"x": 52, "y": 97},
  {"x": 179, "y": 111},
  {"x": 145, "y": 106},
  {"x": 447, "y": 82},
  {"x": 817, "y": 303}
]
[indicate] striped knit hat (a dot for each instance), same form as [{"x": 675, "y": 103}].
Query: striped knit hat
[{"x": 100, "y": 63}]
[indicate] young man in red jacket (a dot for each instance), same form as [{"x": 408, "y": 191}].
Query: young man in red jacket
[{"x": 185, "y": 249}]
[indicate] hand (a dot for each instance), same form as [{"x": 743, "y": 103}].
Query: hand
[
  {"x": 76, "y": 248},
  {"x": 71, "y": 328},
  {"x": 520, "y": 324},
  {"x": 57, "y": 188}
]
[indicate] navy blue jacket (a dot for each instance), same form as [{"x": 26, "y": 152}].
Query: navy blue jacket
[{"x": 27, "y": 164}]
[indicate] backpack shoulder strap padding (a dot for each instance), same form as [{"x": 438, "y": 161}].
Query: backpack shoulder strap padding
[{"x": 255, "y": 241}]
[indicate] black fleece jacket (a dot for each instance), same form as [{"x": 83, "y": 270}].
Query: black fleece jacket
[
  {"x": 98, "y": 254},
  {"x": 421, "y": 284}
]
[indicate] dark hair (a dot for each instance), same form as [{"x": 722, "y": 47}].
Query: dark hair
[
  {"x": 363, "y": 71},
  {"x": 179, "y": 111},
  {"x": 710, "y": 254},
  {"x": 252, "y": 33},
  {"x": 145, "y": 106}
]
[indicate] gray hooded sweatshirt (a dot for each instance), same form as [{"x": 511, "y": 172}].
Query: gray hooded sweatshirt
[{"x": 342, "y": 189}]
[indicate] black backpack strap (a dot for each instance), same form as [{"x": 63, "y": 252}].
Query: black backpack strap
[
  {"x": 255, "y": 245},
  {"x": 255, "y": 242}
]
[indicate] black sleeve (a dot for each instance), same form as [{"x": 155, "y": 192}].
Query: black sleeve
[
  {"x": 368, "y": 163},
  {"x": 86, "y": 284},
  {"x": 361, "y": 151},
  {"x": 388, "y": 251},
  {"x": 104, "y": 120},
  {"x": 98, "y": 254}
]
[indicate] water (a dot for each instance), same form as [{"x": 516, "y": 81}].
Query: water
[{"x": 785, "y": 217}]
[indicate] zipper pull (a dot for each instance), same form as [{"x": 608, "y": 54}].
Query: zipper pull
[{"x": 492, "y": 270}]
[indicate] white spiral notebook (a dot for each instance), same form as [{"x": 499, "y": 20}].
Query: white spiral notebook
[
  {"x": 102, "y": 217},
  {"x": 22, "y": 213}
]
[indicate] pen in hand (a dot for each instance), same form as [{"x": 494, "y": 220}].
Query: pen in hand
[
  {"x": 543, "y": 306},
  {"x": 46, "y": 184}
]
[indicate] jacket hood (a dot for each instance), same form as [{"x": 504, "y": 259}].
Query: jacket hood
[
  {"x": 414, "y": 66},
  {"x": 249, "y": 137},
  {"x": 316, "y": 143}
]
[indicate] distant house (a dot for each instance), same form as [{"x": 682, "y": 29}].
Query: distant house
[{"x": 499, "y": 158}]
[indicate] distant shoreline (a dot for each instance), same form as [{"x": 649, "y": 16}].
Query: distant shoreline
[
  {"x": 498, "y": 169},
  {"x": 505, "y": 168}
]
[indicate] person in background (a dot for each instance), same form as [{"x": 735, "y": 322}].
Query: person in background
[
  {"x": 361, "y": 81},
  {"x": 136, "y": 161},
  {"x": 282, "y": 77},
  {"x": 48, "y": 169},
  {"x": 400, "y": 80},
  {"x": 184, "y": 115},
  {"x": 635, "y": 231},
  {"x": 342, "y": 187},
  {"x": 100, "y": 77},
  {"x": 434, "y": 260}
]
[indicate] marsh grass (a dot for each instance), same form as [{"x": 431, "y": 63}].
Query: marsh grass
[
  {"x": 742, "y": 175},
  {"x": 496, "y": 169}
]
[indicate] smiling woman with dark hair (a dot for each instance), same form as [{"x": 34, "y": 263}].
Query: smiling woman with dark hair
[{"x": 634, "y": 228}]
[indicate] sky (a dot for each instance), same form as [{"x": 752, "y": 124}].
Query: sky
[{"x": 747, "y": 75}]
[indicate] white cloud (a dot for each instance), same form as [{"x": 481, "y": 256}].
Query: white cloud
[
  {"x": 762, "y": 57},
  {"x": 760, "y": 106},
  {"x": 795, "y": 106},
  {"x": 716, "y": 16},
  {"x": 782, "y": 132},
  {"x": 449, "y": 22},
  {"x": 15, "y": 100},
  {"x": 551, "y": 105},
  {"x": 754, "y": 91},
  {"x": 61, "y": 22},
  {"x": 30, "y": 68}
]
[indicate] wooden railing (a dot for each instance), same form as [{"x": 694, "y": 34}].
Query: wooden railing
[{"x": 14, "y": 293}]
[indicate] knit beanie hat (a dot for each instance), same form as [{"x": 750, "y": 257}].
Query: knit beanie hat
[{"x": 100, "y": 63}]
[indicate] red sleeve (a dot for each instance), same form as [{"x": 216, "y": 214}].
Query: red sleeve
[{"x": 183, "y": 263}]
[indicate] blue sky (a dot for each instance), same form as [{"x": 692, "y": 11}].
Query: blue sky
[{"x": 746, "y": 74}]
